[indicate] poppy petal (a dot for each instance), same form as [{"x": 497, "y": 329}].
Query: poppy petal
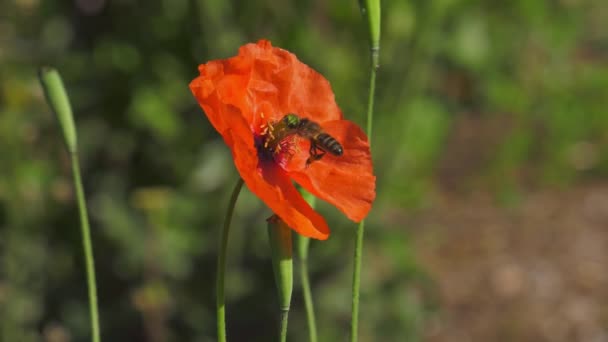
[
  {"x": 273, "y": 186},
  {"x": 262, "y": 76},
  {"x": 277, "y": 76},
  {"x": 223, "y": 116},
  {"x": 345, "y": 181}
]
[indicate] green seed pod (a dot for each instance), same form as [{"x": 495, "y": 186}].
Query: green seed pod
[
  {"x": 371, "y": 10},
  {"x": 57, "y": 99},
  {"x": 282, "y": 259}
]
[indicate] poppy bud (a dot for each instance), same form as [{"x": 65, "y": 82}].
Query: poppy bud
[
  {"x": 58, "y": 100},
  {"x": 282, "y": 261},
  {"x": 371, "y": 11}
]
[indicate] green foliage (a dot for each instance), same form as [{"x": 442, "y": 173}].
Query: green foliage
[{"x": 511, "y": 93}]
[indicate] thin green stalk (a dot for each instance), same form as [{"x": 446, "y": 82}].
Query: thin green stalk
[
  {"x": 371, "y": 10},
  {"x": 310, "y": 310},
  {"x": 354, "y": 325},
  {"x": 284, "y": 319},
  {"x": 221, "y": 263},
  {"x": 88, "y": 248},
  {"x": 58, "y": 100},
  {"x": 361, "y": 228},
  {"x": 374, "y": 64},
  {"x": 302, "y": 246}
]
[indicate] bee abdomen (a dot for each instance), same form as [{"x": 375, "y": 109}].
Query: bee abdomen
[{"x": 329, "y": 144}]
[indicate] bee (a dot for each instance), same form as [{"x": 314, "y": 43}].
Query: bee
[{"x": 320, "y": 142}]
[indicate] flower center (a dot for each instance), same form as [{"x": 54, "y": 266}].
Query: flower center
[{"x": 276, "y": 142}]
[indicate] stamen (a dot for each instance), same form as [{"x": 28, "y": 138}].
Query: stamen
[
  {"x": 268, "y": 132},
  {"x": 276, "y": 142}
]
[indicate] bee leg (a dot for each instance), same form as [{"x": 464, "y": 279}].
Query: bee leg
[
  {"x": 314, "y": 154},
  {"x": 313, "y": 148}
]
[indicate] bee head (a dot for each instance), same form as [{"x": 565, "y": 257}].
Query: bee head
[{"x": 291, "y": 120}]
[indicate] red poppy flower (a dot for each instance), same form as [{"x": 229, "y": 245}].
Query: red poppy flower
[{"x": 246, "y": 97}]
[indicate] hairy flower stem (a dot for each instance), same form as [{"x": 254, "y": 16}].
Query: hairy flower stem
[
  {"x": 221, "y": 263},
  {"x": 374, "y": 62}
]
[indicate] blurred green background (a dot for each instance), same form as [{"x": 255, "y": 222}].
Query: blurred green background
[{"x": 490, "y": 147}]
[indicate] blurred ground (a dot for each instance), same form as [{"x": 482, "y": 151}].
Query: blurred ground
[{"x": 533, "y": 272}]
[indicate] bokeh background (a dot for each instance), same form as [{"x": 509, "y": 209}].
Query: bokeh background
[{"x": 490, "y": 147}]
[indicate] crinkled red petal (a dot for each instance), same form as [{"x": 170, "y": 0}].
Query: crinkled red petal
[
  {"x": 269, "y": 80},
  {"x": 346, "y": 181},
  {"x": 273, "y": 186}
]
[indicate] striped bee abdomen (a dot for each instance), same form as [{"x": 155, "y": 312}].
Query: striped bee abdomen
[{"x": 329, "y": 144}]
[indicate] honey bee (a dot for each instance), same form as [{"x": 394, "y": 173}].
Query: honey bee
[{"x": 320, "y": 142}]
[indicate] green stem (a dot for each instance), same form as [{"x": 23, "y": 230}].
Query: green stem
[
  {"x": 284, "y": 320},
  {"x": 58, "y": 100},
  {"x": 302, "y": 246},
  {"x": 221, "y": 264},
  {"x": 310, "y": 309},
  {"x": 375, "y": 51},
  {"x": 374, "y": 64},
  {"x": 356, "y": 282},
  {"x": 88, "y": 248}
]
